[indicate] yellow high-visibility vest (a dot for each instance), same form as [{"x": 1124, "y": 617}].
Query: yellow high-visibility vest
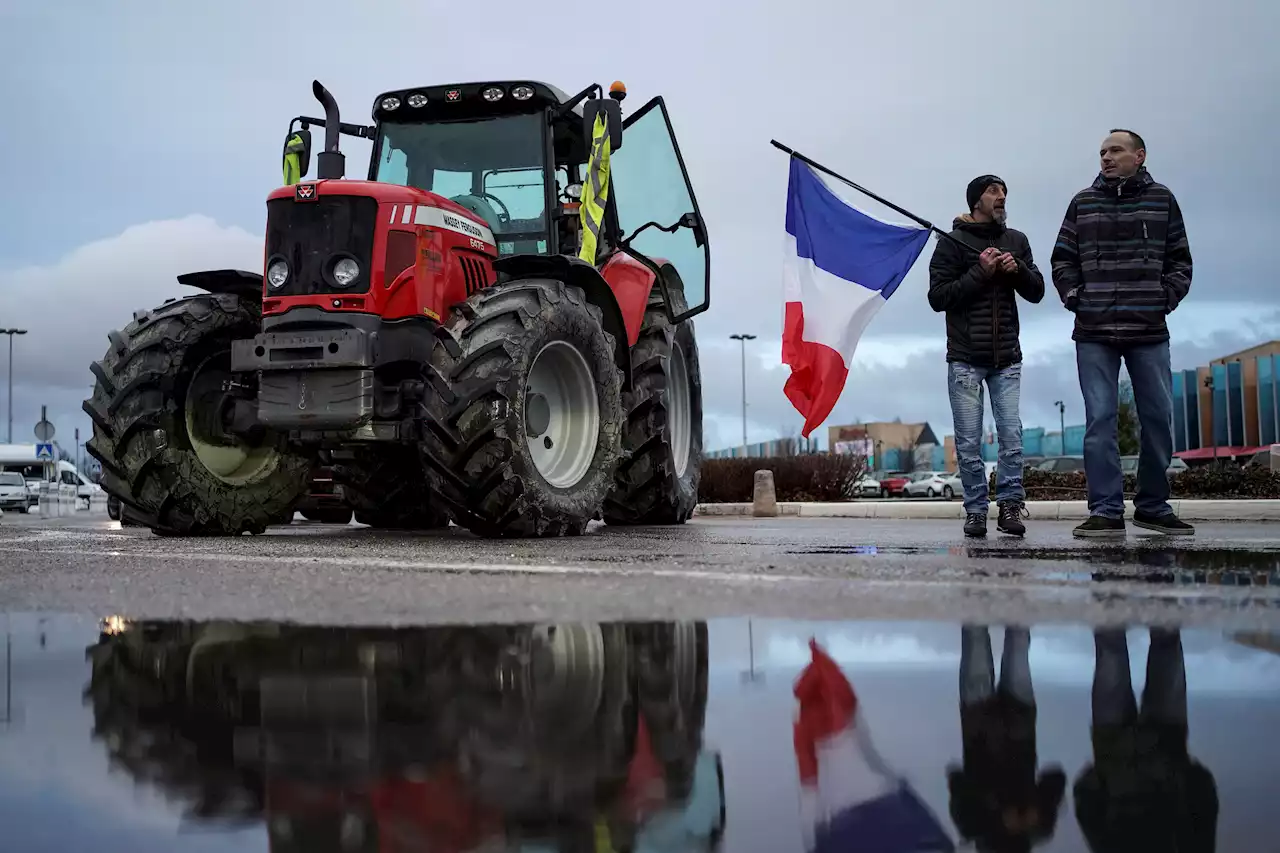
[
  {"x": 595, "y": 190},
  {"x": 293, "y": 160}
]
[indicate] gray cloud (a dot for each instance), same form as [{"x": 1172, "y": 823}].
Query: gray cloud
[{"x": 910, "y": 102}]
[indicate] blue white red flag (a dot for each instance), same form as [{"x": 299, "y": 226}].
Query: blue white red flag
[
  {"x": 850, "y": 799},
  {"x": 840, "y": 267}
]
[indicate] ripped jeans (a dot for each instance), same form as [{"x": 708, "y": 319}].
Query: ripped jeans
[{"x": 964, "y": 385}]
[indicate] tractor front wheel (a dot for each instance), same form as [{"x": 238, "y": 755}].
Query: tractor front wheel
[
  {"x": 524, "y": 419},
  {"x": 158, "y": 428},
  {"x": 658, "y": 481}
]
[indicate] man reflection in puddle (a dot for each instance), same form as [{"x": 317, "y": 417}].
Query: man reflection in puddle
[
  {"x": 997, "y": 801},
  {"x": 1143, "y": 791}
]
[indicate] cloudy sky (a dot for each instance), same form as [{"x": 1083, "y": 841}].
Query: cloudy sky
[{"x": 143, "y": 137}]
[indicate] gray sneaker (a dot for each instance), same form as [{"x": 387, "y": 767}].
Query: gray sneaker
[{"x": 1099, "y": 527}]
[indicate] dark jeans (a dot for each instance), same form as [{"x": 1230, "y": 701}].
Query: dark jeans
[
  {"x": 1149, "y": 371},
  {"x": 964, "y": 386}
]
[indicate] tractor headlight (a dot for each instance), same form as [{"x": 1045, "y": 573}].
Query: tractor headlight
[
  {"x": 391, "y": 102},
  {"x": 277, "y": 274},
  {"x": 417, "y": 100},
  {"x": 345, "y": 271},
  {"x": 493, "y": 94},
  {"x": 522, "y": 93}
]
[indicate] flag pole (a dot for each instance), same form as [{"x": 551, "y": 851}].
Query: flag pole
[{"x": 923, "y": 223}]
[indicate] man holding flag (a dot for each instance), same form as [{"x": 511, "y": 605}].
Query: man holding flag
[{"x": 975, "y": 279}]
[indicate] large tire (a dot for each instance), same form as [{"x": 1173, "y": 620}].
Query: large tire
[
  {"x": 475, "y": 446},
  {"x": 142, "y": 425},
  {"x": 672, "y": 668},
  {"x": 657, "y": 481},
  {"x": 388, "y": 489}
]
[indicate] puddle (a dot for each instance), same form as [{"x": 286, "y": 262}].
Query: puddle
[
  {"x": 159, "y": 736},
  {"x": 1223, "y": 566}
]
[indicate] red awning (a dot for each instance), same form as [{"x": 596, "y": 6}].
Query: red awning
[{"x": 1209, "y": 452}]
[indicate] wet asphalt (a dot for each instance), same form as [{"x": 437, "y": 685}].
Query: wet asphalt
[{"x": 1227, "y": 576}]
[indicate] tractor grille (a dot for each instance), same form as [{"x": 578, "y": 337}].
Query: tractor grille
[
  {"x": 473, "y": 273},
  {"x": 312, "y": 236}
]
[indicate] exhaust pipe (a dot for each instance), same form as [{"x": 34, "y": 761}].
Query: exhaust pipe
[{"x": 330, "y": 163}]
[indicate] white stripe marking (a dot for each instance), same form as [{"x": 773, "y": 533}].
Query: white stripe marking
[
  {"x": 437, "y": 218},
  {"x": 408, "y": 212},
  {"x": 394, "y": 208}
]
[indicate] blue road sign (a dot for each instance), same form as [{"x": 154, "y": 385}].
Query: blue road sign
[{"x": 44, "y": 451}]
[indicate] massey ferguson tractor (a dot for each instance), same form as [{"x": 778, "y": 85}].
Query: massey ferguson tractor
[{"x": 493, "y": 329}]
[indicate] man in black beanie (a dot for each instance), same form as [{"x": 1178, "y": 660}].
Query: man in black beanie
[{"x": 977, "y": 291}]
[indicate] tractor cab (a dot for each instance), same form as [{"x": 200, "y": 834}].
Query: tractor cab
[
  {"x": 518, "y": 156},
  {"x": 511, "y": 154}
]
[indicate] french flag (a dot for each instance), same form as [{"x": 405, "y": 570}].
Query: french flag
[
  {"x": 840, "y": 266},
  {"x": 850, "y": 800}
]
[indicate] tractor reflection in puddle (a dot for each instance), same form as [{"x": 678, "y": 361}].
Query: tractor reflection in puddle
[{"x": 571, "y": 737}]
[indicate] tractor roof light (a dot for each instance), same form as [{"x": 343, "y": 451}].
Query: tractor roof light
[
  {"x": 493, "y": 94},
  {"x": 522, "y": 93},
  {"x": 391, "y": 102},
  {"x": 417, "y": 100}
]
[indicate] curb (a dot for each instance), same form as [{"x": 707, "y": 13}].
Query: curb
[{"x": 1187, "y": 510}]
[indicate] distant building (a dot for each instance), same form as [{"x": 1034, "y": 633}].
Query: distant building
[{"x": 1229, "y": 407}]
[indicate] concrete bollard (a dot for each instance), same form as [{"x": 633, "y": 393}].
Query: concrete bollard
[
  {"x": 765, "y": 498},
  {"x": 70, "y": 500}
]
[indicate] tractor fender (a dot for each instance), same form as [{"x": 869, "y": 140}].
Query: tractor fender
[
  {"x": 246, "y": 285},
  {"x": 599, "y": 292}
]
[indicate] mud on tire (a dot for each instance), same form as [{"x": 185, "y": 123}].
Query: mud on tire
[
  {"x": 388, "y": 489},
  {"x": 475, "y": 447},
  {"x": 657, "y": 481},
  {"x": 140, "y": 424}
]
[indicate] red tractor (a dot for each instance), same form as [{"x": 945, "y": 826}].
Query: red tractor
[{"x": 494, "y": 328}]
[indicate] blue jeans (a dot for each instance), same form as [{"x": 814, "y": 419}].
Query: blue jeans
[
  {"x": 964, "y": 383},
  {"x": 1152, "y": 379}
]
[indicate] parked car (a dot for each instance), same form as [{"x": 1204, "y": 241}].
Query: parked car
[
  {"x": 892, "y": 483},
  {"x": 931, "y": 484},
  {"x": 867, "y": 487},
  {"x": 14, "y": 493},
  {"x": 1062, "y": 464},
  {"x": 1129, "y": 465}
]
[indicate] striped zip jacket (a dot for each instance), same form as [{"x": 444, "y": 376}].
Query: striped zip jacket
[{"x": 1122, "y": 262}]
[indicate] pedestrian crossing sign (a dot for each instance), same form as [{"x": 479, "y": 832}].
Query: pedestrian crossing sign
[{"x": 44, "y": 451}]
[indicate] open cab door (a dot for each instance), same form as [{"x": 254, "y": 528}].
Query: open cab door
[{"x": 656, "y": 207}]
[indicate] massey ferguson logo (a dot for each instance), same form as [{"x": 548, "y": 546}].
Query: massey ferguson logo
[
  {"x": 305, "y": 192},
  {"x": 452, "y": 95},
  {"x": 462, "y": 225}
]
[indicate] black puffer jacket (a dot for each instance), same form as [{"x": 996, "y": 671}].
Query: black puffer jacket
[{"x": 982, "y": 313}]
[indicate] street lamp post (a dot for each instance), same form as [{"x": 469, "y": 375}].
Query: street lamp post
[
  {"x": 11, "y": 333},
  {"x": 742, "y": 339},
  {"x": 1062, "y": 424}
]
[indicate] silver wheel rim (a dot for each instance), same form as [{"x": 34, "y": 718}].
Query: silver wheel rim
[
  {"x": 561, "y": 414},
  {"x": 679, "y": 411},
  {"x": 234, "y": 464}
]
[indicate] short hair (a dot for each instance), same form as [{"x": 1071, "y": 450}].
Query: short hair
[{"x": 1137, "y": 140}]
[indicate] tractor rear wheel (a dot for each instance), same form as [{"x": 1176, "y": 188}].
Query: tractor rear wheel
[
  {"x": 157, "y": 426},
  {"x": 657, "y": 483},
  {"x": 524, "y": 419},
  {"x": 388, "y": 489}
]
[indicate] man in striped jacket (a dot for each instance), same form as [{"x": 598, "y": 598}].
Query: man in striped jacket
[{"x": 1121, "y": 265}]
